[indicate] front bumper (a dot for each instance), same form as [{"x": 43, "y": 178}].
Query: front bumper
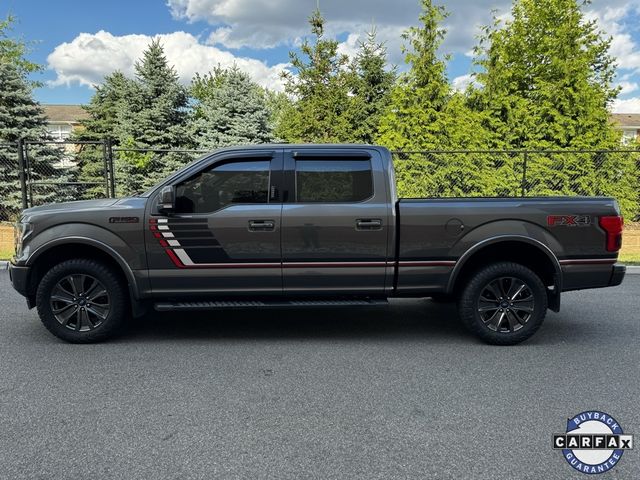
[
  {"x": 617, "y": 275},
  {"x": 20, "y": 278}
]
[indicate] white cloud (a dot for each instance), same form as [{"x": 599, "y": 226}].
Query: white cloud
[
  {"x": 627, "y": 87},
  {"x": 262, "y": 24},
  {"x": 268, "y": 23},
  {"x": 611, "y": 19},
  {"x": 350, "y": 46},
  {"x": 629, "y": 105},
  {"x": 462, "y": 82},
  {"x": 89, "y": 57}
]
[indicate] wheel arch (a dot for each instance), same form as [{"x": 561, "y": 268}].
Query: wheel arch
[
  {"x": 66, "y": 248},
  {"x": 516, "y": 248}
]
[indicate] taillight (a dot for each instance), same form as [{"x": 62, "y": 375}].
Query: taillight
[{"x": 613, "y": 227}]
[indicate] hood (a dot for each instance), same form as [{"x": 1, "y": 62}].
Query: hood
[{"x": 70, "y": 206}]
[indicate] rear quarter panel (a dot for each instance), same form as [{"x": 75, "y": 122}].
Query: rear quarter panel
[{"x": 447, "y": 230}]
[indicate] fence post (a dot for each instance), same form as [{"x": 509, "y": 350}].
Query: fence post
[
  {"x": 105, "y": 166},
  {"x": 109, "y": 160},
  {"x": 524, "y": 173},
  {"x": 22, "y": 174}
]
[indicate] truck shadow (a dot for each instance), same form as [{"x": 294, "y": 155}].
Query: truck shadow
[{"x": 401, "y": 319}]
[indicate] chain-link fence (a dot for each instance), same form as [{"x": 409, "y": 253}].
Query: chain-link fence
[
  {"x": 34, "y": 173},
  {"x": 519, "y": 173}
]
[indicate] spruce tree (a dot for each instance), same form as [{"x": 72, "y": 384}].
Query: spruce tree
[
  {"x": 321, "y": 90},
  {"x": 372, "y": 84},
  {"x": 21, "y": 117},
  {"x": 108, "y": 99},
  {"x": 231, "y": 109},
  {"x": 154, "y": 116}
]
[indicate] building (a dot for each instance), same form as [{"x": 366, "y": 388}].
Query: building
[
  {"x": 629, "y": 124},
  {"x": 63, "y": 120}
]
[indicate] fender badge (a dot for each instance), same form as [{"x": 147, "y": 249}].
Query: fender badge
[
  {"x": 568, "y": 220},
  {"x": 124, "y": 219}
]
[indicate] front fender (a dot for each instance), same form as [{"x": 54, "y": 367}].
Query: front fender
[{"x": 126, "y": 257}]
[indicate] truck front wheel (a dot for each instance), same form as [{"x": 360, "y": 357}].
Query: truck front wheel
[
  {"x": 81, "y": 301},
  {"x": 503, "y": 304}
]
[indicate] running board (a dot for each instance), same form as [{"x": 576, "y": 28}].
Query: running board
[{"x": 215, "y": 305}]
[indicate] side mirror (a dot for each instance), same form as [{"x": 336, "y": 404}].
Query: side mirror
[{"x": 167, "y": 199}]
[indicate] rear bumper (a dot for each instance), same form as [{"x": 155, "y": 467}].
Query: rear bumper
[
  {"x": 582, "y": 275},
  {"x": 617, "y": 275},
  {"x": 19, "y": 278}
]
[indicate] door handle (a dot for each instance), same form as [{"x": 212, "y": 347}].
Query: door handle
[
  {"x": 262, "y": 225},
  {"x": 368, "y": 224}
]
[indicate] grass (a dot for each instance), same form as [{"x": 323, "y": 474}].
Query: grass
[
  {"x": 629, "y": 258},
  {"x": 6, "y": 253}
]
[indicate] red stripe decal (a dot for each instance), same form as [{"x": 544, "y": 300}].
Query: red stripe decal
[
  {"x": 174, "y": 258},
  {"x": 334, "y": 264},
  {"x": 587, "y": 261},
  {"x": 438, "y": 263}
]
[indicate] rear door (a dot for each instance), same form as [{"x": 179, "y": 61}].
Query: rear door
[
  {"x": 335, "y": 222},
  {"x": 224, "y": 236}
]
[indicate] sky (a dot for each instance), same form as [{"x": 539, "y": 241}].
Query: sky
[{"x": 81, "y": 41}]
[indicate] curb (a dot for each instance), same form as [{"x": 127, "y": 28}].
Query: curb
[{"x": 631, "y": 269}]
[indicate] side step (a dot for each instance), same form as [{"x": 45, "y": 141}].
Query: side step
[{"x": 220, "y": 304}]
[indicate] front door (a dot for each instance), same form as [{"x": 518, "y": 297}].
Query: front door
[
  {"x": 335, "y": 222},
  {"x": 224, "y": 237}
]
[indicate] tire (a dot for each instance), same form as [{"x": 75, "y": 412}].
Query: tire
[
  {"x": 64, "y": 299},
  {"x": 503, "y": 304}
]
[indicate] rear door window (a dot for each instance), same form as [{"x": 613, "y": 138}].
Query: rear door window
[{"x": 333, "y": 181}]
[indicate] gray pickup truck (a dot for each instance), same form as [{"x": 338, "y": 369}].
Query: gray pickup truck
[{"x": 308, "y": 226}]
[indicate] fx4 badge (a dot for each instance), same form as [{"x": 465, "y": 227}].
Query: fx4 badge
[{"x": 568, "y": 220}]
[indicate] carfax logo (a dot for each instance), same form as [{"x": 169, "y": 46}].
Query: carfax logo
[{"x": 593, "y": 443}]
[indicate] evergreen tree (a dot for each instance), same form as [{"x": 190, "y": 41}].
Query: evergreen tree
[
  {"x": 154, "y": 116},
  {"x": 546, "y": 83},
  {"x": 547, "y": 78},
  {"x": 321, "y": 90},
  {"x": 425, "y": 114},
  {"x": 21, "y": 117},
  {"x": 14, "y": 51},
  {"x": 231, "y": 109},
  {"x": 278, "y": 104},
  {"x": 108, "y": 99},
  {"x": 373, "y": 82}
]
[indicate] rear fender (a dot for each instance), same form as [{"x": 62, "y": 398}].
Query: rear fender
[{"x": 514, "y": 231}]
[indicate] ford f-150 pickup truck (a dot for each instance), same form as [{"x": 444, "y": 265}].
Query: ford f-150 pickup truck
[{"x": 308, "y": 226}]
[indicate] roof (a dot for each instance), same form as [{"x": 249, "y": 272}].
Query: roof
[
  {"x": 626, "y": 119},
  {"x": 65, "y": 113}
]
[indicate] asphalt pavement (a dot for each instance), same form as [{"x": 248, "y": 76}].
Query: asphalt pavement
[{"x": 354, "y": 393}]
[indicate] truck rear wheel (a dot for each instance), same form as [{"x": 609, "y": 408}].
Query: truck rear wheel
[
  {"x": 503, "y": 304},
  {"x": 82, "y": 301}
]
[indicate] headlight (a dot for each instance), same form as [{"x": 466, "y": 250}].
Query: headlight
[{"x": 21, "y": 231}]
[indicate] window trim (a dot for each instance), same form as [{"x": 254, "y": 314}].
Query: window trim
[
  {"x": 311, "y": 157},
  {"x": 226, "y": 161}
]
